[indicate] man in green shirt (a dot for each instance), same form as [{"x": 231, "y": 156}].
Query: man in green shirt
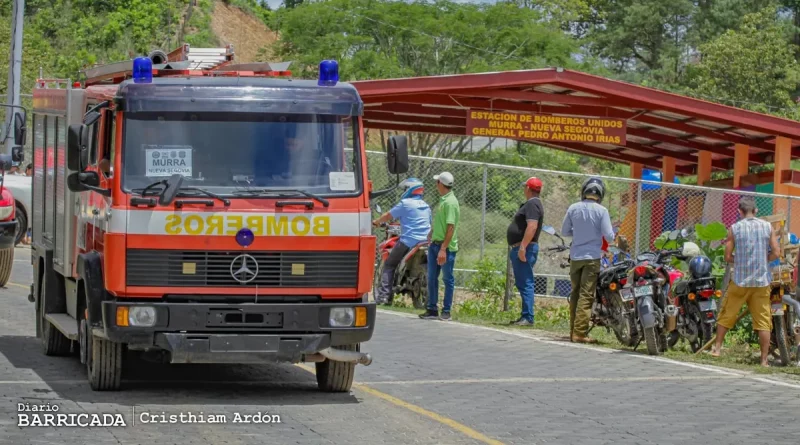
[{"x": 443, "y": 248}]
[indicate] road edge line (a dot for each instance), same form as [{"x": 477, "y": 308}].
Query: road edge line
[{"x": 725, "y": 371}]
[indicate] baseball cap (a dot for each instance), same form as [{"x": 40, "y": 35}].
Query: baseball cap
[
  {"x": 446, "y": 178},
  {"x": 533, "y": 183}
]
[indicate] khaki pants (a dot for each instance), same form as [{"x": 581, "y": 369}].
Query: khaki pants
[{"x": 583, "y": 274}]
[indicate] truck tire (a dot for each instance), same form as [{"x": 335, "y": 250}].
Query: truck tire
[
  {"x": 336, "y": 376},
  {"x": 54, "y": 342},
  {"x": 6, "y": 264},
  {"x": 103, "y": 364},
  {"x": 779, "y": 335},
  {"x": 651, "y": 340}
]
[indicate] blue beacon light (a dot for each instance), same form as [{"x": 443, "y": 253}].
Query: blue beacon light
[
  {"x": 328, "y": 73},
  {"x": 142, "y": 70},
  {"x": 245, "y": 237}
]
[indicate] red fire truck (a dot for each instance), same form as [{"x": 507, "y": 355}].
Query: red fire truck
[{"x": 201, "y": 211}]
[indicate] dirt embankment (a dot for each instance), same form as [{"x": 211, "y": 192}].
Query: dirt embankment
[{"x": 246, "y": 33}]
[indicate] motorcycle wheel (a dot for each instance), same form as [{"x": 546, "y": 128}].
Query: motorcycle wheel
[
  {"x": 672, "y": 339},
  {"x": 419, "y": 296},
  {"x": 706, "y": 332},
  {"x": 623, "y": 332},
  {"x": 651, "y": 340},
  {"x": 376, "y": 281},
  {"x": 779, "y": 336}
]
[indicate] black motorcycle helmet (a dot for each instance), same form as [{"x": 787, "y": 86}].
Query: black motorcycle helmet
[
  {"x": 700, "y": 266},
  {"x": 593, "y": 186}
]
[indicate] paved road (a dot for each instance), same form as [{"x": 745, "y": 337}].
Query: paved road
[{"x": 431, "y": 382}]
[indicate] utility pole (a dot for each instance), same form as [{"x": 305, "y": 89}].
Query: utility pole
[{"x": 14, "y": 74}]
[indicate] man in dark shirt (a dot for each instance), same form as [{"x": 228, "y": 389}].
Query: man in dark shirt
[{"x": 523, "y": 237}]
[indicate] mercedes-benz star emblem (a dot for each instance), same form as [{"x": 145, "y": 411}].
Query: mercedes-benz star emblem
[{"x": 241, "y": 268}]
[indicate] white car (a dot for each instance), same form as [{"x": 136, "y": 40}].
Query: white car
[{"x": 21, "y": 187}]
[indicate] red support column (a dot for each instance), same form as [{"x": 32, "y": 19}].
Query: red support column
[
  {"x": 636, "y": 170},
  {"x": 741, "y": 163},
  {"x": 703, "y": 167},
  {"x": 668, "y": 169}
]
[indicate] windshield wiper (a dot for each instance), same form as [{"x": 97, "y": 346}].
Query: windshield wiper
[
  {"x": 143, "y": 192},
  {"x": 283, "y": 192},
  {"x": 182, "y": 192}
]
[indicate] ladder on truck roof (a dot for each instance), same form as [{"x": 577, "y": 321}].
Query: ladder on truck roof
[{"x": 187, "y": 61}]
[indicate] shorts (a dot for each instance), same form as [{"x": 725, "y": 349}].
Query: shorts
[{"x": 757, "y": 299}]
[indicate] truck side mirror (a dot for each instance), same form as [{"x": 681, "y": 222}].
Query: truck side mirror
[
  {"x": 17, "y": 154},
  {"x": 397, "y": 155},
  {"x": 19, "y": 129},
  {"x": 77, "y": 152}
]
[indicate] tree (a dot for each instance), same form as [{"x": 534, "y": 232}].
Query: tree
[
  {"x": 384, "y": 39},
  {"x": 754, "y": 64}
]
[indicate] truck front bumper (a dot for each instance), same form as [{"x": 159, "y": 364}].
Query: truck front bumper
[
  {"x": 238, "y": 333},
  {"x": 8, "y": 234}
]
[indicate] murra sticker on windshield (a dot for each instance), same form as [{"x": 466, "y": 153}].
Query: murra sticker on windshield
[{"x": 167, "y": 160}]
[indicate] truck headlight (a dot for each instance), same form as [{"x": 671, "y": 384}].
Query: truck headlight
[
  {"x": 342, "y": 317},
  {"x": 144, "y": 316}
]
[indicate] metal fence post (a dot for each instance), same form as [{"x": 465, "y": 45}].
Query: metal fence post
[
  {"x": 483, "y": 208},
  {"x": 788, "y": 214},
  {"x": 638, "y": 215},
  {"x": 507, "y": 295}
]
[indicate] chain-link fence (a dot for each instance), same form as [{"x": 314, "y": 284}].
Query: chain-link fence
[{"x": 490, "y": 194}]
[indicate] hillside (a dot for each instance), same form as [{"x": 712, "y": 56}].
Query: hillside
[{"x": 247, "y": 34}]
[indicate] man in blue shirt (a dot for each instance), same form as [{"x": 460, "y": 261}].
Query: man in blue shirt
[
  {"x": 414, "y": 215},
  {"x": 587, "y": 222}
]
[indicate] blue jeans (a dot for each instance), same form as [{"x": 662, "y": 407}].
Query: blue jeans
[
  {"x": 433, "y": 278},
  {"x": 523, "y": 277}
]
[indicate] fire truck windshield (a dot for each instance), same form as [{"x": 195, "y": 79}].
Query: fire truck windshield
[{"x": 226, "y": 153}]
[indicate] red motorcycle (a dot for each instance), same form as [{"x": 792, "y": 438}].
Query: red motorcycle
[{"x": 411, "y": 275}]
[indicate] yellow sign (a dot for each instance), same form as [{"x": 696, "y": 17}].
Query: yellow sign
[
  {"x": 198, "y": 224},
  {"x": 546, "y": 127}
]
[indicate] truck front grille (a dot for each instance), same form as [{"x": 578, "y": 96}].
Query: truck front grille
[{"x": 178, "y": 268}]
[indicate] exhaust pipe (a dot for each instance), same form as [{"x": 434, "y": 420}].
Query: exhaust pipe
[
  {"x": 339, "y": 355},
  {"x": 158, "y": 57},
  {"x": 671, "y": 312}
]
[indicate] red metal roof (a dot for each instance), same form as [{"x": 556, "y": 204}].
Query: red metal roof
[{"x": 658, "y": 123}]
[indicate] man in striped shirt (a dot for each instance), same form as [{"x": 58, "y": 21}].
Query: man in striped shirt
[{"x": 755, "y": 245}]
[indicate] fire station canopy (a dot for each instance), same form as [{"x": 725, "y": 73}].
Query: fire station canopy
[{"x": 659, "y": 124}]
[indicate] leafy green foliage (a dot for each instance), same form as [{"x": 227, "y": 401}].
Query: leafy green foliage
[
  {"x": 753, "y": 64},
  {"x": 380, "y": 39}
]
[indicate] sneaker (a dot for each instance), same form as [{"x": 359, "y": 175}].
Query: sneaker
[
  {"x": 522, "y": 322},
  {"x": 429, "y": 315},
  {"x": 445, "y": 316}
]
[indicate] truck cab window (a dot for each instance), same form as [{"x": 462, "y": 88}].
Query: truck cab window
[{"x": 106, "y": 162}]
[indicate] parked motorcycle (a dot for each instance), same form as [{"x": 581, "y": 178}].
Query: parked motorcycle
[
  {"x": 411, "y": 275},
  {"x": 650, "y": 281},
  {"x": 613, "y": 307},
  {"x": 695, "y": 296},
  {"x": 785, "y": 324}
]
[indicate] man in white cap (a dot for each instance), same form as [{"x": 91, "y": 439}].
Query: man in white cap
[{"x": 443, "y": 248}]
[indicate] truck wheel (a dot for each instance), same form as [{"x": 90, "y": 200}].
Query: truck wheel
[
  {"x": 336, "y": 376},
  {"x": 54, "y": 342},
  {"x": 103, "y": 362},
  {"x": 6, "y": 263}
]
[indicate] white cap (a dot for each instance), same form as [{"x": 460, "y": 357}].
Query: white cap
[{"x": 446, "y": 178}]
